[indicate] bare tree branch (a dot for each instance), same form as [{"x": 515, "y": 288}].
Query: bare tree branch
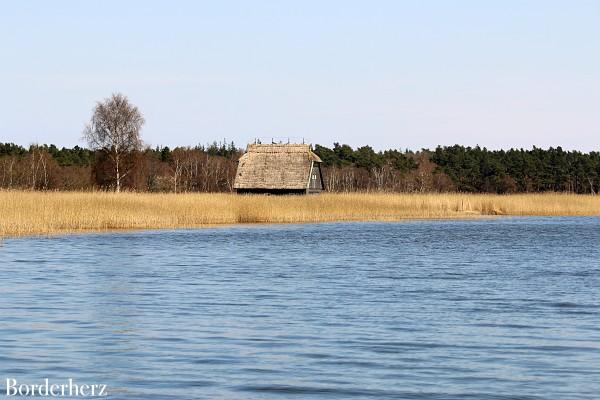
[{"x": 115, "y": 129}]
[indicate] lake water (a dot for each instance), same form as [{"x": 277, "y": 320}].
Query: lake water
[{"x": 483, "y": 309}]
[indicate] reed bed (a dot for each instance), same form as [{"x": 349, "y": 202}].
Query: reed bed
[{"x": 25, "y": 213}]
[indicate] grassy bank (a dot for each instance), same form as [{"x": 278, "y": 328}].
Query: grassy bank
[{"x": 35, "y": 213}]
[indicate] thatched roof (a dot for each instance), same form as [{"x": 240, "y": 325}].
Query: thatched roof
[{"x": 275, "y": 166}]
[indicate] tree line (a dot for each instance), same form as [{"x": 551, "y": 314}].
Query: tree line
[
  {"x": 202, "y": 168},
  {"x": 116, "y": 158},
  {"x": 212, "y": 168},
  {"x": 464, "y": 169}
]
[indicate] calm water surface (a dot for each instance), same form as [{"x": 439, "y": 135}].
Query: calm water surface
[{"x": 486, "y": 309}]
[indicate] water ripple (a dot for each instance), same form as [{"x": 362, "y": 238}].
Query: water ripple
[{"x": 486, "y": 309}]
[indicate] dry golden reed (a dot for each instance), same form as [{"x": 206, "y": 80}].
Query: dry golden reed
[{"x": 43, "y": 213}]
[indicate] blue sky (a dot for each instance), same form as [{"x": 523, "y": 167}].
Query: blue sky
[{"x": 386, "y": 73}]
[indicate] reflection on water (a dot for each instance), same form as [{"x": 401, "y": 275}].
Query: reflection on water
[{"x": 486, "y": 309}]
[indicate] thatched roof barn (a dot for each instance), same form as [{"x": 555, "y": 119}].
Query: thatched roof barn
[{"x": 279, "y": 168}]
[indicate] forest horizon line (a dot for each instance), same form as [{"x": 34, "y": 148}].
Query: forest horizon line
[
  {"x": 313, "y": 144},
  {"x": 212, "y": 168}
]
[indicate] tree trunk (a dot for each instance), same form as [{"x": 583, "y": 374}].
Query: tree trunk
[{"x": 118, "y": 175}]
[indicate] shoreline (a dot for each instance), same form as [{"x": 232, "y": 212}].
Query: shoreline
[
  {"x": 29, "y": 213},
  {"x": 258, "y": 224}
]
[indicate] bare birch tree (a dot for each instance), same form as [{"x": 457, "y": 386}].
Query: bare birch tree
[
  {"x": 115, "y": 129},
  {"x": 177, "y": 160}
]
